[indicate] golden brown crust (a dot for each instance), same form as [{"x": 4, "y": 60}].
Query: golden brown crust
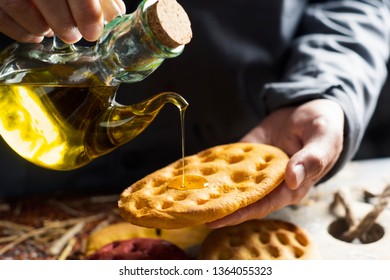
[
  {"x": 238, "y": 174},
  {"x": 258, "y": 240}
]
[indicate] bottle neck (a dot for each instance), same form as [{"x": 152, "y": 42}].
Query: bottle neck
[{"x": 130, "y": 47}]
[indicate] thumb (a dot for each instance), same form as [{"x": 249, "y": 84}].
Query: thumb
[{"x": 310, "y": 164}]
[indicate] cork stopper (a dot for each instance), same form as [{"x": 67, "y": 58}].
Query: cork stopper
[{"x": 169, "y": 23}]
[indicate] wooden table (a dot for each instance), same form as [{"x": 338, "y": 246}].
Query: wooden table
[{"x": 90, "y": 212}]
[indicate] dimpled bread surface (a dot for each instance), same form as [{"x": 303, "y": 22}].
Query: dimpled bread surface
[
  {"x": 238, "y": 174},
  {"x": 258, "y": 240}
]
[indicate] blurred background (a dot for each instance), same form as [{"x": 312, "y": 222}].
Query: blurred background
[
  {"x": 376, "y": 142},
  {"x": 149, "y": 150}
]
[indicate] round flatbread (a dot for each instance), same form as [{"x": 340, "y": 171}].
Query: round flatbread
[
  {"x": 238, "y": 174},
  {"x": 258, "y": 240}
]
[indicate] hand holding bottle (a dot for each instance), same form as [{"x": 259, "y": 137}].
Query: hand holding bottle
[{"x": 31, "y": 20}]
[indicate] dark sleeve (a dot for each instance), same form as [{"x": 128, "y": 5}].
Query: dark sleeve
[{"x": 340, "y": 53}]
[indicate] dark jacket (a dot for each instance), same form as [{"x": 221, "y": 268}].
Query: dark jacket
[{"x": 247, "y": 58}]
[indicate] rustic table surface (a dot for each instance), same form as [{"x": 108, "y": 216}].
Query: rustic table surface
[{"x": 56, "y": 226}]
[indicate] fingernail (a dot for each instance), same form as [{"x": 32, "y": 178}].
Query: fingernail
[
  {"x": 31, "y": 39},
  {"x": 92, "y": 32},
  {"x": 112, "y": 9},
  {"x": 50, "y": 33},
  {"x": 72, "y": 36},
  {"x": 300, "y": 173}
]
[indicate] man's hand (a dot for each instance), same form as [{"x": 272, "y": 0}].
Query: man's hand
[
  {"x": 31, "y": 20},
  {"x": 312, "y": 135}
]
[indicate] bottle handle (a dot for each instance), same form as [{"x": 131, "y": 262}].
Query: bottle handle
[{"x": 61, "y": 46}]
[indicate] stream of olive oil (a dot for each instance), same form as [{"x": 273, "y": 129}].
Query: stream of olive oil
[{"x": 186, "y": 181}]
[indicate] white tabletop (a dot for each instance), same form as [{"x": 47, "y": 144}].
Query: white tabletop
[{"x": 313, "y": 214}]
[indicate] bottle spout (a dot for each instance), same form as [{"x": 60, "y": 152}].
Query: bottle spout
[
  {"x": 154, "y": 104},
  {"x": 121, "y": 123}
]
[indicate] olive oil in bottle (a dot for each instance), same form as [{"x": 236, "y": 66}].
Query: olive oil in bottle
[
  {"x": 65, "y": 127},
  {"x": 49, "y": 125}
]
